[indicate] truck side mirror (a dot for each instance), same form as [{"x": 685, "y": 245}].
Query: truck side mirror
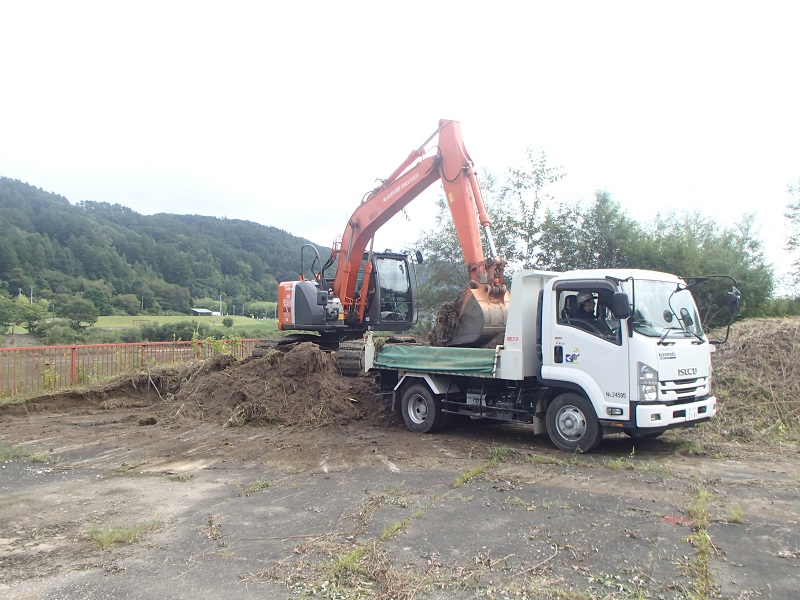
[
  {"x": 734, "y": 296},
  {"x": 419, "y": 257},
  {"x": 621, "y": 305}
]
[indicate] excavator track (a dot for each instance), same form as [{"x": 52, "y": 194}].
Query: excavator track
[
  {"x": 262, "y": 347},
  {"x": 349, "y": 356}
]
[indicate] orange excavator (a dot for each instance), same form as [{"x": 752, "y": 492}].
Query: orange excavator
[{"x": 374, "y": 290}]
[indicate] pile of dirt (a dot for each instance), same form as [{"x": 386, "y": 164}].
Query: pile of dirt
[
  {"x": 301, "y": 387},
  {"x": 757, "y": 380}
]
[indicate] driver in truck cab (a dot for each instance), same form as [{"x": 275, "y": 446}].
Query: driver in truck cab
[
  {"x": 585, "y": 308},
  {"x": 585, "y": 311}
]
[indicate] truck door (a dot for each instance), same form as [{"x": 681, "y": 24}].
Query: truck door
[{"x": 588, "y": 346}]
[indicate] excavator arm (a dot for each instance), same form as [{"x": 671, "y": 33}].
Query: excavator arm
[{"x": 481, "y": 308}]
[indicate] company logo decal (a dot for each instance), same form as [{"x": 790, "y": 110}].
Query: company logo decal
[
  {"x": 573, "y": 358},
  {"x": 666, "y": 355},
  {"x": 684, "y": 372}
]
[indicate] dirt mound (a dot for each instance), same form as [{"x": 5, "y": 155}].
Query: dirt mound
[
  {"x": 302, "y": 387},
  {"x": 299, "y": 387},
  {"x": 757, "y": 380}
]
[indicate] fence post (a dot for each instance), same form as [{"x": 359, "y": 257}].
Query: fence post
[
  {"x": 142, "y": 363},
  {"x": 72, "y": 352}
]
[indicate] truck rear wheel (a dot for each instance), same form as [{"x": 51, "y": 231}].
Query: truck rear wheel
[
  {"x": 422, "y": 410},
  {"x": 572, "y": 424}
]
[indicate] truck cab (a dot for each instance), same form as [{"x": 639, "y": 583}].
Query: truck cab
[{"x": 644, "y": 369}]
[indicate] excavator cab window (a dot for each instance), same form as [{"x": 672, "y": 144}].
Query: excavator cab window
[{"x": 393, "y": 290}]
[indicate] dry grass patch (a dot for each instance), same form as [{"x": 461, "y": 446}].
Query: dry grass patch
[{"x": 757, "y": 381}]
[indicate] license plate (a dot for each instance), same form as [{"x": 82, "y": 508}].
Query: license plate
[{"x": 691, "y": 414}]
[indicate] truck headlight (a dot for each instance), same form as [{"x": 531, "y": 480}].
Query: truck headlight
[{"x": 648, "y": 383}]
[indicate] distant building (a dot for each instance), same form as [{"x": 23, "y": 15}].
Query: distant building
[{"x": 202, "y": 312}]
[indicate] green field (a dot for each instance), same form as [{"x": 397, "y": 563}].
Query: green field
[{"x": 241, "y": 325}]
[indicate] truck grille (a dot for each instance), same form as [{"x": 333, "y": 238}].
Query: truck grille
[{"x": 683, "y": 390}]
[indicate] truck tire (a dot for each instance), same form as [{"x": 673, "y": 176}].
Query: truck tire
[
  {"x": 572, "y": 424},
  {"x": 422, "y": 410}
]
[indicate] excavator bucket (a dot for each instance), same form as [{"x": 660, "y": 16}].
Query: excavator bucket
[{"x": 476, "y": 319}]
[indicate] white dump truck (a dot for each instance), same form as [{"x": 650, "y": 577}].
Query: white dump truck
[{"x": 584, "y": 353}]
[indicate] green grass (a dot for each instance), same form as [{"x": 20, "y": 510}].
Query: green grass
[
  {"x": 10, "y": 453},
  {"x": 240, "y": 324},
  {"x": 735, "y": 514},
  {"x": 347, "y": 564},
  {"x": 262, "y": 483},
  {"x": 20, "y": 399},
  {"x": 701, "y": 540},
  {"x": 105, "y": 538},
  {"x": 498, "y": 454},
  {"x": 392, "y": 530},
  {"x": 125, "y": 470}
]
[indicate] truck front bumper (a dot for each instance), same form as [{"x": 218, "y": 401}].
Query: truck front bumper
[{"x": 675, "y": 415}]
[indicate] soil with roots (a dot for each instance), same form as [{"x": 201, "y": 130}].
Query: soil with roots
[{"x": 299, "y": 386}]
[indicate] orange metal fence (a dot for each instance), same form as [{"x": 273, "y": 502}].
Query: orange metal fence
[{"x": 42, "y": 369}]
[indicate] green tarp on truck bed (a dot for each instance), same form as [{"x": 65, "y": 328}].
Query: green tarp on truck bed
[{"x": 478, "y": 362}]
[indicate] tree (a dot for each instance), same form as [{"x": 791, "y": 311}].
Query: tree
[
  {"x": 19, "y": 311},
  {"x": 31, "y": 314},
  {"x": 8, "y": 312},
  {"x": 514, "y": 206},
  {"x": 99, "y": 297},
  {"x": 227, "y": 322},
  {"x": 691, "y": 244},
  {"x": 78, "y": 311},
  {"x": 261, "y": 310},
  {"x": 126, "y": 303},
  {"x": 793, "y": 243},
  {"x": 520, "y": 203}
]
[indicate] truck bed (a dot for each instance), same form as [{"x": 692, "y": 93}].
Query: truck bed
[{"x": 476, "y": 362}]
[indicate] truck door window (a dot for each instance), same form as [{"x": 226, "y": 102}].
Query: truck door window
[{"x": 588, "y": 310}]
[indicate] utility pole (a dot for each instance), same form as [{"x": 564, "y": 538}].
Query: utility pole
[
  {"x": 31, "y": 294},
  {"x": 220, "y": 305}
]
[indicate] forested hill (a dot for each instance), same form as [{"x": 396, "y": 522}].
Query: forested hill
[{"x": 168, "y": 260}]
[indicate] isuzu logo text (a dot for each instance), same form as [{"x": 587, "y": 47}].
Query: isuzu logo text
[{"x": 682, "y": 372}]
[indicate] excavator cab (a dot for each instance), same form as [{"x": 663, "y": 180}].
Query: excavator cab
[
  {"x": 310, "y": 304},
  {"x": 391, "y": 307}
]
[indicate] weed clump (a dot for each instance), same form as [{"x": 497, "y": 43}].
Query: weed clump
[{"x": 757, "y": 381}]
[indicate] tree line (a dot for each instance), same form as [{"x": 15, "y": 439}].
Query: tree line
[
  {"x": 95, "y": 258},
  {"x": 123, "y": 262},
  {"x": 533, "y": 230}
]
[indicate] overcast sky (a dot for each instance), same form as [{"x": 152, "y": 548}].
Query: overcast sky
[{"x": 286, "y": 114}]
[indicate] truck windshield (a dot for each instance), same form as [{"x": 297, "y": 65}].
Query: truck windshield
[{"x": 663, "y": 309}]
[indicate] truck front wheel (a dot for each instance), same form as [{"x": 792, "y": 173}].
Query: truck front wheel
[
  {"x": 422, "y": 410},
  {"x": 572, "y": 424}
]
